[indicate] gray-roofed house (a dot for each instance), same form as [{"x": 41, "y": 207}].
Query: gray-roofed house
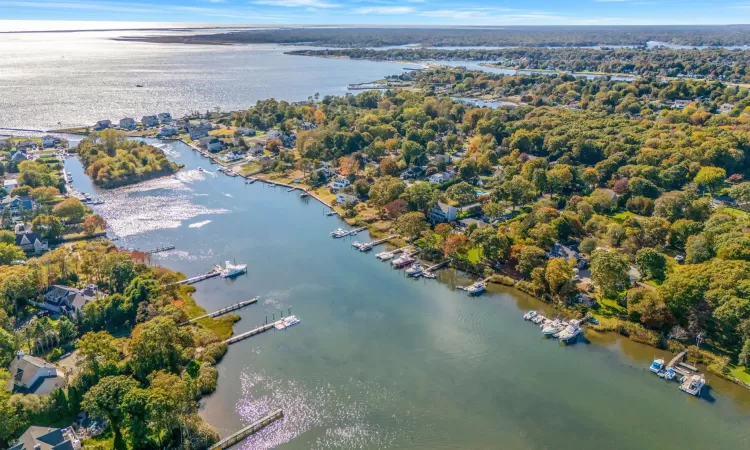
[
  {"x": 127, "y": 123},
  {"x": 32, "y": 375},
  {"x": 17, "y": 202},
  {"x": 18, "y": 155},
  {"x": 46, "y": 438},
  {"x": 31, "y": 242},
  {"x": 164, "y": 117},
  {"x": 149, "y": 121},
  {"x": 61, "y": 298},
  {"x": 102, "y": 124},
  {"x": 443, "y": 212}
]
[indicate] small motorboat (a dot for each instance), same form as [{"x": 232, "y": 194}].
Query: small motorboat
[
  {"x": 476, "y": 288},
  {"x": 657, "y": 366},
  {"x": 529, "y": 315},
  {"x": 428, "y": 275},
  {"x": 385, "y": 256},
  {"x": 200, "y": 169},
  {"x": 304, "y": 194},
  {"x": 415, "y": 270}
]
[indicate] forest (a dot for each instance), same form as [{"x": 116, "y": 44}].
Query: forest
[{"x": 527, "y": 36}]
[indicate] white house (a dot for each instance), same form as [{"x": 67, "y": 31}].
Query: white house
[
  {"x": 9, "y": 184},
  {"x": 346, "y": 198},
  {"x": 149, "y": 121},
  {"x": 230, "y": 156},
  {"x": 49, "y": 141},
  {"x": 338, "y": 183},
  {"x": 726, "y": 108},
  {"x": 443, "y": 212},
  {"x": 32, "y": 375},
  {"x": 168, "y": 130},
  {"x": 211, "y": 143},
  {"x": 128, "y": 123},
  {"x": 200, "y": 130},
  {"x": 164, "y": 117},
  {"x": 441, "y": 177}
]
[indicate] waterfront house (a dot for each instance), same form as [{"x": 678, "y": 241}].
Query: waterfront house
[
  {"x": 342, "y": 198},
  {"x": 338, "y": 183},
  {"x": 211, "y": 143},
  {"x": 726, "y": 108},
  {"x": 17, "y": 203},
  {"x": 443, "y": 212},
  {"x": 47, "y": 438},
  {"x": 9, "y": 184},
  {"x": 167, "y": 131},
  {"x": 255, "y": 149},
  {"x": 26, "y": 144},
  {"x": 246, "y": 131},
  {"x": 230, "y": 157},
  {"x": 31, "y": 242},
  {"x": 50, "y": 141},
  {"x": 681, "y": 104},
  {"x": 32, "y": 375},
  {"x": 149, "y": 121},
  {"x": 128, "y": 123},
  {"x": 164, "y": 117},
  {"x": 102, "y": 124},
  {"x": 200, "y": 130},
  {"x": 65, "y": 299}
]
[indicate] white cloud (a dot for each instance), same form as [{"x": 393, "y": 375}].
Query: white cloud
[
  {"x": 298, "y": 3},
  {"x": 384, "y": 10}
]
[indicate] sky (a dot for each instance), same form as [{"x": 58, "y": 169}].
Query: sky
[{"x": 377, "y": 12}]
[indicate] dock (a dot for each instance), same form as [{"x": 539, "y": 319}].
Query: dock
[
  {"x": 678, "y": 366},
  {"x": 439, "y": 265},
  {"x": 222, "y": 311},
  {"x": 160, "y": 249},
  {"x": 253, "y": 428},
  {"x": 253, "y": 332},
  {"x": 205, "y": 276},
  {"x": 367, "y": 246}
]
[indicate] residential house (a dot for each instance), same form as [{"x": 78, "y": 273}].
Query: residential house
[
  {"x": 307, "y": 125},
  {"x": 338, "y": 183},
  {"x": 681, "y": 104},
  {"x": 466, "y": 223},
  {"x": 9, "y": 184},
  {"x": 31, "y": 242},
  {"x": 441, "y": 177},
  {"x": 200, "y": 130},
  {"x": 255, "y": 149},
  {"x": 63, "y": 299},
  {"x": 287, "y": 139},
  {"x": 103, "y": 124},
  {"x": 443, "y": 212},
  {"x": 32, "y": 375},
  {"x": 128, "y": 123},
  {"x": 246, "y": 131},
  {"x": 230, "y": 157},
  {"x": 46, "y": 438},
  {"x": 211, "y": 143},
  {"x": 413, "y": 172},
  {"x": 164, "y": 117},
  {"x": 167, "y": 131},
  {"x": 586, "y": 300},
  {"x": 26, "y": 145},
  {"x": 342, "y": 198},
  {"x": 726, "y": 108},
  {"x": 50, "y": 141},
  {"x": 17, "y": 203},
  {"x": 18, "y": 155},
  {"x": 149, "y": 121}
]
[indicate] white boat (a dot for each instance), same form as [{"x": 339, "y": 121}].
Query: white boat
[
  {"x": 385, "y": 256},
  {"x": 414, "y": 270},
  {"x": 339, "y": 233},
  {"x": 304, "y": 194},
  {"x": 402, "y": 261},
  {"x": 693, "y": 384},
  {"x": 428, "y": 275},
  {"x": 553, "y": 327},
  {"x": 231, "y": 270},
  {"x": 538, "y": 319},
  {"x": 200, "y": 169},
  {"x": 570, "y": 333},
  {"x": 366, "y": 247},
  {"x": 356, "y": 244},
  {"x": 286, "y": 322},
  {"x": 476, "y": 288},
  {"x": 529, "y": 315},
  {"x": 657, "y": 366},
  {"x": 250, "y": 181}
]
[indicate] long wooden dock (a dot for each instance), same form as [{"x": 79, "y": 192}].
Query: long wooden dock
[
  {"x": 367, "y": 246},
  {"x": 222, "y": 311},
  {"x": 439, "y": 265},
  {"x": 248, "y": 430},
  {"x": 160, "y": 249},
  {"x": 677, "y": 359},
  {"x": 253, "y": 332},
  {"x": 205, "y": 276}
]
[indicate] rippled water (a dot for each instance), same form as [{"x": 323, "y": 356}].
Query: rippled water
[
  {"x": 56, "y": 80},
  {"x": 383, "y": 361}
]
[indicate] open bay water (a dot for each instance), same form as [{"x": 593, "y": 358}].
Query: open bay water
[
  {"x": 61, "y": 80},
  {"x": 383, "y": 361}
]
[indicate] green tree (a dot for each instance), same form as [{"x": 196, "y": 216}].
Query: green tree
[
  {"x": 710, "y": 177},
  {"x": 49, "y": 227},
  {"x": 410, "y": 224},
  {"x": 609, "y": 271},
  {"x": 494, "y": 246},
  {"x": 462, "y": 193},
  {"x": 98, "y": 355},
  {"x": 698, "y": 249},
  {"x": 7, "y": 237},
  {"x": 386, "y": 189},
  {"x": 518, "y": 191},
  {"x": 70, "y": 209},
  {"x": 106, "y": 400},
  {"x": 741, "y": 192},
  {"x": 651, "y": 263},
  {"x": 160, "y": 344},
  {"x": 10, "y": 253},
  {"x": 420, "y": 197},
  {"x": 528, "y": 258},
  {"x": 559, "y": 277}
]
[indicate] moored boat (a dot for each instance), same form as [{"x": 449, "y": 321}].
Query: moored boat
[
  {"x": 570, "y": 333},
  {"x": 529, "y": 315},
  {"x": 429, "y": 275},
  {"x": 657, "y": 365},
  {"x": 414, "y": 270},
  {"x": 476, "y": 288},
  {"x": 402, "y": 261},
  {"x": 385, "y": 256},
  {"x": 693, "y": 384},
  {"x": 231, "y": 270}
]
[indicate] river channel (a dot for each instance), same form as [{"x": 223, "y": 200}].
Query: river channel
[{"x": 383, "y": 361}]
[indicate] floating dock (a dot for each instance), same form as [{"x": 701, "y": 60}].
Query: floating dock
[
  {"x": 367, "y": 246},
  {"x": 439, "y": 265},
  {"x": 253, "y": 428},
  {"x": 160, "y": 249},
  {"x": 222, "y": 311}
]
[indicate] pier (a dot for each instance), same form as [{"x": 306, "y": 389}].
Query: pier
[
  {"x": 205, "y": 276},
  {"x": 439, "y": 265},
  {"x": 253, "y": 428},
  {"x": 253, "y": 332},
  {"x": 367, "y": 246},
  {"x": 222, "y": 311},
  {"x": 160, "y": 249}
]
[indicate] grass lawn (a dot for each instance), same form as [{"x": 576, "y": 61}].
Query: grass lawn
[
  {"x": 610, "y": 307},
  {"x": 105, "y": 440},
  {"x": 623, "y": 216},
  {"x": 474, "y": 255},
  {"x": 250, "y": 167},
  {"x": 742, "y": 373},
  {"x": 222, "y": 325},
  {"x": 738, "y": 213}
]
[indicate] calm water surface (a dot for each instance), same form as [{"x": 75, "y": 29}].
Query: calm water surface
[
  {"x": 55, "y": 80},
  {"x": 382, "y": 361}
]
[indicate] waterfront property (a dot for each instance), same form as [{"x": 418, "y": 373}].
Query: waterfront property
[
  {"x": 102, "y": 124},
  {"x": 47, "y": 438},
  {"x": 442, "y": 213},
  {"x": 128, "y": 123},
  {"x": 32, "y": 375}
]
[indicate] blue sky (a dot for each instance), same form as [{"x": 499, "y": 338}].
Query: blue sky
[{"x": 385, "y": 12}]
